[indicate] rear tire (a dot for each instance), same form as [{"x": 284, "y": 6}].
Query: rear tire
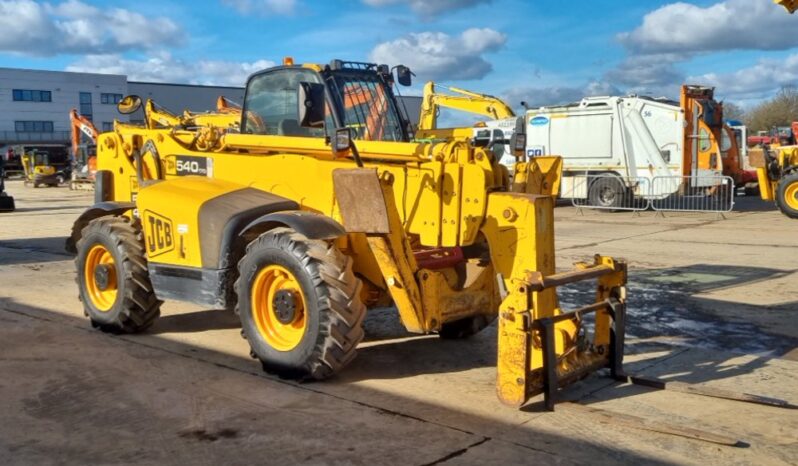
[
  {"x": 299, "y": 304},
  {"x": 607, "y": 192},
  {"x": 112, "y": 277},
  {"x": 787, "y": 195}
]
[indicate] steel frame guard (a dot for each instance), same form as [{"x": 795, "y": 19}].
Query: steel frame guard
[{"x": 545, "y": 326}]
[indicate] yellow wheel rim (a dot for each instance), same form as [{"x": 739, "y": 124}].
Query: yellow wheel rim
[
  {"x": 278, "y": 308},
  {"x": 100, "y": 275},
  {"x": 791, "y": 195}
]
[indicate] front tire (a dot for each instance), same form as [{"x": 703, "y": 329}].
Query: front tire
[
  {"x": 787, "y": 195},
  {"x": 299, "y": 304},
  {"x": 112, "y": 277}
]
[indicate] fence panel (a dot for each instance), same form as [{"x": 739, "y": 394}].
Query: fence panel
[
  {"x": 692, "y": 194},
  {"x": 607, "y": 192}
]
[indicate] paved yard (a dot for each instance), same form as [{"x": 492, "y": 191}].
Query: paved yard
[{"x": 712, "y": 301}]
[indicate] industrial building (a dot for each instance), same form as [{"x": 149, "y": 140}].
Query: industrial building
[{"x": 35, "y": 104}]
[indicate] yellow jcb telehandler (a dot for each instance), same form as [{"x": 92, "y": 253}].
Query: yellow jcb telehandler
[
  {"x": 322, "y": 207},
  {"x": 777, "y": 172}
]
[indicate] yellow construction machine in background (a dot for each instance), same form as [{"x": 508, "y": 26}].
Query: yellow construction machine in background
[
  {"x": 40, "y": 171},
  {"x": 777, "y": 171},
  {"x": 322, "y": 206},
  {"x": 459, "y": 99},
  {"x": 226, "y": 117},
  {"x": 545, "y": 172}
]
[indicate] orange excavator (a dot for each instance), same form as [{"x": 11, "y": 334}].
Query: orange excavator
[{"x": 84, "y": 155}]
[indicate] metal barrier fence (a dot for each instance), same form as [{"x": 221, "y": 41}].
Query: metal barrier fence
[
  {"x": 692, "y": 194},
  {"x": 660, "y": 193},
  {"x": 607, "y": 192}
]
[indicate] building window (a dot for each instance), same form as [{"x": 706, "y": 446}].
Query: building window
[
  {"x": 110, "y": 98},
  {"x": 85, "y": 105},
  {"x": 26, "y": 95},
  {"x": 108, "y": 126},
  {"x": 33, "y": 126}
]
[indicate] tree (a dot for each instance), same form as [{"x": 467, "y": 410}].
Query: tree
[
  {"x": 781, "y": 110},
  {"x": 732, "y": 111}
]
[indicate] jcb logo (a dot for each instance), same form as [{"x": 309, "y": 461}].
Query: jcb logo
[{"x": 159, "y": 233}]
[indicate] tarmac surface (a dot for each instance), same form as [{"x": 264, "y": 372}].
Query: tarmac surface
[{"x": 712, "y": 301}]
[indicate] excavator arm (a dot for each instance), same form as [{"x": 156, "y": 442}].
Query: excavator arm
[
  {"x": 80, "y": 124},
  {"x": 459, "y": 99},
  {"x": 156, "y": 116},
  {"x": 227, "y": 116}
]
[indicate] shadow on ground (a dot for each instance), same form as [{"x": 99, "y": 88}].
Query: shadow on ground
[
  {"x": 663, "y": 304},
  {"x": 518, "y": 444},
  {"x": 29, "y": 250}
]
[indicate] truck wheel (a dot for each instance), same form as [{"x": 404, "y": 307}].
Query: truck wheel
[
  {"x": 112, "y": 277},
  {"x": 607, "y": 192},
  {"x": 299, "y": 304},
  {"x": 787, "y": 195},
  {"x": 465, "y": 328}
]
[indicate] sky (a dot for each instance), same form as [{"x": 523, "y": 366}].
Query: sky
[{"x": 544, "y": 52}]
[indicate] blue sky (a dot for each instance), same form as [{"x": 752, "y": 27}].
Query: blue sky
[{"x": 542, "y": 51}]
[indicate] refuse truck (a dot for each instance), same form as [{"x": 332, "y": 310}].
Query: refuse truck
[{"x": 611, "y": 146}]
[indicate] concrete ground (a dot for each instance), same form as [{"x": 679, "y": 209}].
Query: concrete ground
[{"x": 711, "y": 301}]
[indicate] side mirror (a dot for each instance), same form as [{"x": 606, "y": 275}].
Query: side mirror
[
  {"x": 404, "y": 75},
  {"x": 312, "y": 105},
  {"x": 129, "y": 104},
  {"x": 518, "y": 139}
]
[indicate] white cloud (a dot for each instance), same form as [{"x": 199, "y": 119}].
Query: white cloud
[
  {"x": 435, "y": 55},
  {"x": 32, "y": 28},
  {"x": 655, "y": 75},
  {"x": 263, "y": 7},
  {"x": 429, "y": 7},
  {"x": 556, "y": 95},
  {"x": 163, "y": 67},
  {"x": 759, "y": 81},
  {"x": 727, "y": 25}
]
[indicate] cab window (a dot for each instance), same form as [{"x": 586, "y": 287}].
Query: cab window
[
  {"x": 271, "y": 104},
  {"x": 725, "y": 141},
  {"x": 704, "y": 143}
]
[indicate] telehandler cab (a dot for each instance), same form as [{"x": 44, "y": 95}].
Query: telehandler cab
[{"x": 320, "y": 207}]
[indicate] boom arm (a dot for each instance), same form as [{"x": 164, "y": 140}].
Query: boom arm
[{"x": 466, "y": 101}]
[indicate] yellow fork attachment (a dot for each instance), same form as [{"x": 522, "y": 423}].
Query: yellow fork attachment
[
  {"x": 539, "y": 355},
  {"x": 541, "y": 346}
]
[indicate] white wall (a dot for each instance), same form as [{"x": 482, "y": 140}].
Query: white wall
[{"x": 65, "y": 89}]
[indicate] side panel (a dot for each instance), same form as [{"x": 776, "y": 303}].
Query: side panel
[
  {"x": 186, "y": 218},
  {"x": 593, "y": 145},
  {"x": 666, "y": 124}
]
